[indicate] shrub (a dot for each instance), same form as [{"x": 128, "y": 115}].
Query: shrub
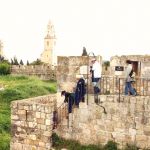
[
  {"x": 4, "y": 141},
  {"x": 131, "y": 147},
  {"x": 56, "y": 140},
  {"x": 4, "y": 68},
  {"x": 59, "y": 143},
  {"x": 111, "y": 146}
]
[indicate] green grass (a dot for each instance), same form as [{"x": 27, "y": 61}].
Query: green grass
[
  {"x": 17, "y": 88},
  {"x": 59, "y": 143}
]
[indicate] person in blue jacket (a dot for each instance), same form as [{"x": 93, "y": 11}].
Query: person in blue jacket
[{"x": 80, "y": 91}]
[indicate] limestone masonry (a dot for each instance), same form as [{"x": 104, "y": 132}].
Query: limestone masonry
[
  {"x": 126, "y": 119},
  {"x": 32, "y": 123}
]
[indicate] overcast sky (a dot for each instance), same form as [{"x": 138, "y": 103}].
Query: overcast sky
[{"x": 105, "y": 27}]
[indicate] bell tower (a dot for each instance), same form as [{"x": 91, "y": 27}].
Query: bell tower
[
  {"x": 1, "y": 49},
  {"x": 49, "y": 43}
]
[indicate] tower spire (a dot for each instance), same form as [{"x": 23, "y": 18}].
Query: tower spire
[
  {"x": 50, "y": 30},
  {"x": 47, "y": 55},
  {"x": 1, "y": 48}
]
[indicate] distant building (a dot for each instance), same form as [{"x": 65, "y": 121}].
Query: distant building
[
  {"x": 1, "y": 49},
  {"x": 47, "y": 55}
]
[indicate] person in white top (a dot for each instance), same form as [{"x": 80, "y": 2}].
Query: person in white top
[
  {"x": 128, "y": 79},
  {"x": 96, "y": 70}
]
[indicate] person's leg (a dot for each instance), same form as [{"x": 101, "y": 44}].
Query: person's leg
[
  {"x": 126, "y": 88},
  {"x": 131, "y": 88},
  {"x": 96, "y": 85}
]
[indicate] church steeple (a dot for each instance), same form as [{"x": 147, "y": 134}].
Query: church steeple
[
  {"x": 1, "y": 49},
  {"x": 50, "y": 30},
  {"x": 49, "y": 43}
]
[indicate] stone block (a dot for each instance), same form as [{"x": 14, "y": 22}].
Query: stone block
[
  {"x": 47, "y": 133},
  {"x": 48, "y": 109},
  {"x": 20, "y": 106},
  {"x": 43, "y": 127},
  {"x": 38, "y": 107},
  {"x": 14, "y": 117},
  {"x": 62, "y": 61},
  {"x": 32, "y": 137},
  {"x": 48, "y": 116},
  {"x": 38, "y": 115},
  {"x": 146, "y": 130},
  {"x": 48, "y": 145},
  {"x": 34, "y": 107},
  {"x": 16, "y": 146},
  {"x": 30, "y": 124},
  {"x": 47, "y": 122},
  {"x": 27, "y": 107},
  {"x": 40, "y": 121},
  {"x": 43, "y": 115},
  {"x": 141, "y": 138},
  {"x": 21, "y": 112}
]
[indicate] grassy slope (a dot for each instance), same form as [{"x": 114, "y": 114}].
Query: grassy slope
[{"x": 18, "y": 87}]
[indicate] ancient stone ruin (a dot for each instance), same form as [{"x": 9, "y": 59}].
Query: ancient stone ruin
[
  {"x": 44, "y": 72},
  {"x": 123, "y": 119},
  {"x": 32, "y": 123}
]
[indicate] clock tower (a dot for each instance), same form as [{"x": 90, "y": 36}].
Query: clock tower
[{"x": 49, "y": 43}]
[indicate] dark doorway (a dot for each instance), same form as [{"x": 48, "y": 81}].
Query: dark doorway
[{"x": 135, "y": 67}]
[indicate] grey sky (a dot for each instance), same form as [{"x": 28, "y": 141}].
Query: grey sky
[{"x": 105, "y": 27}]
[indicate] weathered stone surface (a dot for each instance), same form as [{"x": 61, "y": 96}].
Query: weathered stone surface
[
  {"x": 43, "y": 71},
  {"x": 32, "y": 124},
  {"x": 122, "y": 123}
]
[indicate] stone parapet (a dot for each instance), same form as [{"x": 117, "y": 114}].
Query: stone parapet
[
  {"x": 44, "y": 72},
  {"x": 32, "y": 123},
  {"x": 69, "y": 67},
  {"x": 124, "y": 122}
]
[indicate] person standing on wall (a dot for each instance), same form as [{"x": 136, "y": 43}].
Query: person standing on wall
[
  {"x": 96, "y": 70},
  {"x": 128, "y": 79}
]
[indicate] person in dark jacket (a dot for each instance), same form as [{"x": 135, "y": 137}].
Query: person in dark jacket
[
  {"x": 69, "y": 98},
  {"x": 80, "y": 91}
]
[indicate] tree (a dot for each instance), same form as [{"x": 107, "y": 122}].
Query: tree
[
  {"x": 3, "y": 60},
  {"x": 4, "y": 68},
  {"x": 21, "y": 62},
  {"x": 15, "y": 61},
  {"x": 37, "y": 62},
  {"x": 12, "y": 62},
  {"x": 28, "y": 63},
  {"x": 84, "y": 53},
  {"x": 106, "y": 64}
]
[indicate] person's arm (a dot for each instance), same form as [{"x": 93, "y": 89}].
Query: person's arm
[
  {"x": 66, "y": 97},
  {"x": 128, "y": 70}
]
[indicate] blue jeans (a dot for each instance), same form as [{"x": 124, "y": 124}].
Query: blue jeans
[
  {"x": 129, "y": 88},
  {"x": 96, "y": 84}
]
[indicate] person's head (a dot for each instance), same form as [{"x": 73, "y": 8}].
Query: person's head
[
  {"x": 128, "y": 62},
  {"x": 63, "y": 93},
  {"x": 93, "y": 60}
]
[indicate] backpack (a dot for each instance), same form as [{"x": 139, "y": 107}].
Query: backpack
[{"x": 131, "y": 73}]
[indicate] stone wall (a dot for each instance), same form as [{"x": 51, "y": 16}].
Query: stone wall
[
  {"x": 44, "y": 72},
  {"x": 127, "y": 121},
  {"x": 32, "y": 123},
  {"x": 69, "y": 67},
  {"x": 142, "y": 62}
]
